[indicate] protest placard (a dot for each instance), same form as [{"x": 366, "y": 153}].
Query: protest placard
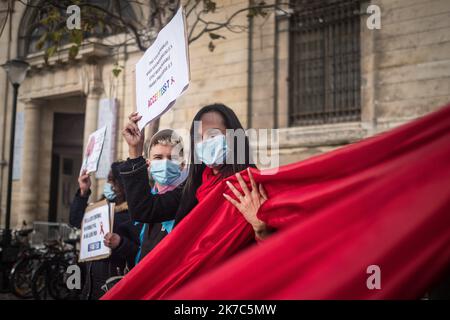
[
  {"x": 97, "y": 222},
  {"x": 162, "y": 74},
  {"x": 93, "y": 150},
  {"x": 107, "y": 116}
]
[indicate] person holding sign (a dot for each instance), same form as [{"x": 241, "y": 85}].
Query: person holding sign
[
  {"x": 202, "y": 177},
  {"x": 124, "y": 240},
  {"x": 166, "y": 170}
]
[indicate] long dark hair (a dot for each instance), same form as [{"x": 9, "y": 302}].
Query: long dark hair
[
  {"x": 116, "y": 181},
  {"x": 188, "y": 199}
]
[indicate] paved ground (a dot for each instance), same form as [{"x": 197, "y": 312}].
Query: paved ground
[{"x": 8, "y": 296}]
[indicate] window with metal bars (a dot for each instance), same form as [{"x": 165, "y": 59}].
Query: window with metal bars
[{"x": 324, "y": 67}]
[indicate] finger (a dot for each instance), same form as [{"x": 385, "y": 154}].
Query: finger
[
  {"x": 129, "y": 127},
  {"x": 135, "y": 118},
  {"x": 242, "y": 184},
  {"x": 135, "y": 127},
  {"x": 127, "y": 132},
  {"x": 132, "y": 114},
  {"x": 252, "y": 181},
  {"x": 234, "y": 190},
  {"x": 263, "y": 192},
  {"x": 233, "y": 202}
]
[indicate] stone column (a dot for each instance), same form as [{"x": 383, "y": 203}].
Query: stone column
[
  {"x": 94, "y": 92},
  {"x": 369, "y": 76},
  {"x": 30, "y": 163}
]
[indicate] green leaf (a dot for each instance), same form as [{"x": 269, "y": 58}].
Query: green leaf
[
  {"x": 55, "y": 14},
  {"x": 73, "y": 51},
  {"x": 56, "y": 35},
  {"x": 209, "y": 6},
  {"x": 116, "y": 72},
  {"x": 211, "y": 46},
  {"x": 251, "y": 13},
  {"x": 40, "y": 43},
  {"x": 215, "y": 36},
  {"x": 50, "y": 51},
  {"x": 259, "y": 10},
  {"x": 76, "y": 36},
  {"x": 117, "y": 69}
]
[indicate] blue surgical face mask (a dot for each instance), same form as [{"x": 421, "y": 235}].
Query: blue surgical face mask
[
  {"x": 109, "y": 192},
  {"x": 165, "y": 172},
  {"x": 213, "y": 151}
]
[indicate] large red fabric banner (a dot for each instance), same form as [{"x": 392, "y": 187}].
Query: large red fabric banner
[{"x": 383, "y": 202}]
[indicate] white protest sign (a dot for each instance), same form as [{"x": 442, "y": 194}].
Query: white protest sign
[
  {"x": 93, "y": 150},
  {"x": 162, "y": 74},
  {"x": 96, "y": 224},
  {"x": 107, "y": 116}
]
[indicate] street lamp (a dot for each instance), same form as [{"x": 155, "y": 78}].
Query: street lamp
[{"x": 16, "y": 70}]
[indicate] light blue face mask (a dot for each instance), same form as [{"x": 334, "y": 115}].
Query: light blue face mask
[
  {"x": 109, "y": 192},
  {"x": 165, "y": 172},
  {"x": 213, "y": 151}
]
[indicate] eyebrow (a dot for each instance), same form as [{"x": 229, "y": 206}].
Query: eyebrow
[{"x": 213, "y": 129}]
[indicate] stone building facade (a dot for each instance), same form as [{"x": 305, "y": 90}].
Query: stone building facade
[{"x": 283, "y": 73}]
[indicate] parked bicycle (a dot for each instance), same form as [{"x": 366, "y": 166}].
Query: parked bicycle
[
  {"x": 40, "y": 269},
  {"x": 22, "y": 270},
  {"x": 50, "y": 279},
  {"x": 10, "y": 254}
]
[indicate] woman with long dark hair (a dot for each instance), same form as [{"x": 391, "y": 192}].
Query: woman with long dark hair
[{"x": 219, "y": 149}]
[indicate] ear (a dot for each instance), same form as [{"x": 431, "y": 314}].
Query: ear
[{"x": 148, "y": 162}]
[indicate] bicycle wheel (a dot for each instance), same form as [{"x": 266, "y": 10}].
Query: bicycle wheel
[
  {"x": 57, "y": 281},
  {"x": 21, "y": 274},
  {"x": 39, "y": 283}
]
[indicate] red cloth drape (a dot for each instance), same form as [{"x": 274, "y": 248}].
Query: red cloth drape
[
  {"x": 383, "y": 201},
  {"x": 209, "y": 182}
]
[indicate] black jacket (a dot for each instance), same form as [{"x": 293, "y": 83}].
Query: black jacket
[
  {"x": 124, "y": 255},
  {"x": 152, "y": 235}
]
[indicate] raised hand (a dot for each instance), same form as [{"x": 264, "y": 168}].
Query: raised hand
[
  {"x": 133, "y": 136},
  {"x": 84, "y": 182}
]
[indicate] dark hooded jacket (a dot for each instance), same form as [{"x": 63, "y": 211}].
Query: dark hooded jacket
[{"x": 97, "y": 272}]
